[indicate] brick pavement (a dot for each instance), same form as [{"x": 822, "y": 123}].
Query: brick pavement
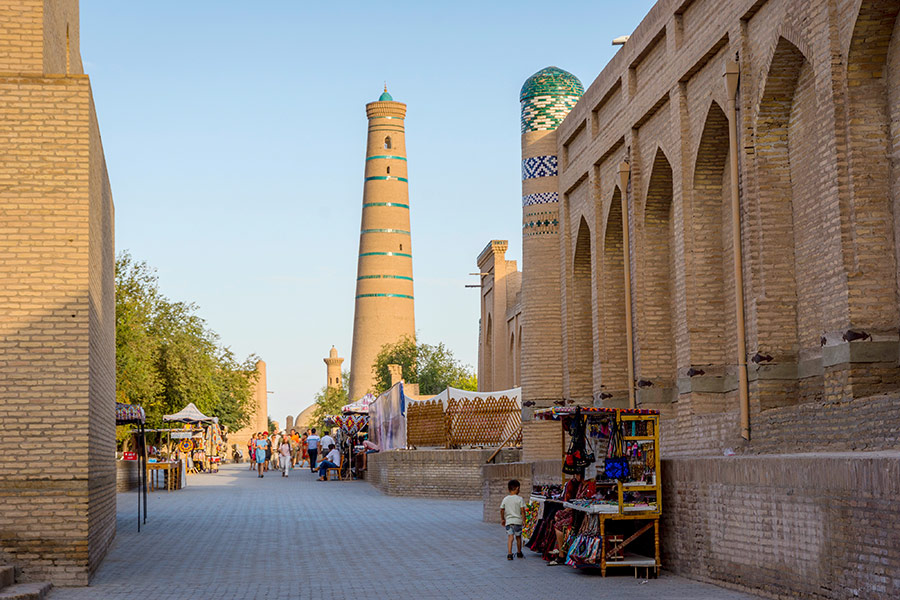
[{"x": 234, "y": 536}]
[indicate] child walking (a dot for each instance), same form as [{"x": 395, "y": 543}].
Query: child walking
[{"x": 511, "y": 513}]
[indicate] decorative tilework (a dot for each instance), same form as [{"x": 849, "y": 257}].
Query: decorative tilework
[
  {"x": 386, "y": 254},
  {"x": 397, "y": 204},
  {"x": 545, "y": 113},
  {"x": 387, "y": 178},
  {"x": 400, "y": 231},
  {"x": 540, "y": 223},
  {"x": 403, "y": 158},
  {"x": 540, "y": 166},
  {"x": 384, "y": 296},
  {"x": 384, "y": 277},
  {"x": 541, "y": 198},
  {"x": 551, "y": 81}
]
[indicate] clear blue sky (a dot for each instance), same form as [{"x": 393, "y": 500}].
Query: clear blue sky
[{"x": 235, "y": 135}]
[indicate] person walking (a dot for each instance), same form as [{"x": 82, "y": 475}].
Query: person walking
[
  {"x": 261, "y": 445},
  {"x": 268, "y": 452},
  {"x": 285, "y": 451},
  {"x": 304, "y": 451},
  {"x": 313, "y": 448},
  {"x": 251, "y": 451}
]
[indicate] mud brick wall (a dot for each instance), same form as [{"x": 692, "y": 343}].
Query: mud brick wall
[
  {"x": 822, "y": 526},
  {"x": 57, "y": 309},
  {"x": 448, "y": 474}
]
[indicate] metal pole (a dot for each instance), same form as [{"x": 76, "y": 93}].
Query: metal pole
[
  {"x": 732, "y": 76},
  {"x": 624, "y": 171}
]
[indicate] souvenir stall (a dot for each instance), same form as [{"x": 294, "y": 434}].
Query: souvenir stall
[
  {"x": 351, "y": 427},
  {"x": 605, "y": 510},
  {"x": 131, "y": 414},
  {"x": 195, "y": 449}
]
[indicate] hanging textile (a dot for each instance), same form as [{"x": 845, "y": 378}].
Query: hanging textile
[{"x": 387, "y": 419}]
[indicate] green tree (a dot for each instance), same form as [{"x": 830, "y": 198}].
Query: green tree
[
  {"x": 329, "y": 401},
  {"x": 434, "y": 368},
  {"x": 166, "y": 355}
]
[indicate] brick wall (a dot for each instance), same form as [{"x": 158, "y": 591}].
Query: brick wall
[
  {"x": 495, "y": 480},
  {"x": 57, "y": 451},
  {"x": 823, "y": 526},
  {"x": 448, "y": 474}
]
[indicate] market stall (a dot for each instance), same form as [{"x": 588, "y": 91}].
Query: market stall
[
  {"x": 605, "y": 511},
  {"x": 352, "y": 428},
  {"x": 131, "y": 414},
  {"x": 200, "y": 448}
]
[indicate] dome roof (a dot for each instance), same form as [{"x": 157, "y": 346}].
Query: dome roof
[
  {"x": 551, "y": 81},
  {"x": 385, "y": 97},
  {"x": 333, "y": 353}
]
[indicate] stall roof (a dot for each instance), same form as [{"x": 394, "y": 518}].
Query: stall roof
[
  {"x": 360, "y": 406},
  {"x": 190, "y": 414},
  {"x": 556, "y": 412}
]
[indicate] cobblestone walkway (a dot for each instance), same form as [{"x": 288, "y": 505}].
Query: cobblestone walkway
[{"x": 234, "y": 536}]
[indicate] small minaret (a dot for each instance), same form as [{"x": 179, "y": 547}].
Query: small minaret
[
  {"x": 546, "y": 99},
  {"x": 333, "y": 369},
  {"x": 384, "y": 283}
]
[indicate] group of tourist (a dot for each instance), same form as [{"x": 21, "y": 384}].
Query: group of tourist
[{"x": 286, "y": 451}]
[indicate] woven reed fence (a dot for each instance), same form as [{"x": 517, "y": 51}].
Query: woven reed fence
[
  {"x": 426, "y": 424},
  {"x": 483, "y": 422}
]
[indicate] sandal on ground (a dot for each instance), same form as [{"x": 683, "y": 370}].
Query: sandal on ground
[
  {"x": 509, "y": 557},
  {"x": 519, "y": 555}
]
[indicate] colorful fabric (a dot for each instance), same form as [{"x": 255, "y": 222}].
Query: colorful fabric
[
  {"x": 556, "y": 413},
  {"x": 129, "y": 413},
  {"x": 351, "y": 424},
  {"x": 530, "y": 515}
]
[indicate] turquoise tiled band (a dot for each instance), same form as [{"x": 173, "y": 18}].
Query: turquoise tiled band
[
  {"x": 397, "y": 204},
  {"x": 384, "y": 277},
  {"x": 403, "y": 158},
  {"x": 386, "y": 254},
  {"x": 384, "y": 296},
  {"x": 387, "y": 178},
  {"x": 400, "y": 231}
]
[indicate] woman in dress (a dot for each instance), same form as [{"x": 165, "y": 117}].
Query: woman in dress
[
  {"x": 261, "y": 445},
  {"x": 563, "y": 520},
  {"x": 251, "y": 451},
  {"x": 304, "y": 451}
]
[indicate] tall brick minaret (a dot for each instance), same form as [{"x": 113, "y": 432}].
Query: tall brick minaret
[
  {"x": 546, "y": 98},
  {"x": 333, "y": 369},
  {"x": 384, "y": 283}
]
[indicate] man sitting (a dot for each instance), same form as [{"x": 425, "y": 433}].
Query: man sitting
[{"x": 332, "y": 461}]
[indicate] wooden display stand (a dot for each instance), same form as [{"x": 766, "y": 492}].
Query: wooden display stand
[{"x": 631, "y": 522}]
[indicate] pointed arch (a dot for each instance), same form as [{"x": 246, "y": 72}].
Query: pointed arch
[
  {"x": 518, "y": 380},
  {"x": 787, "y": 148},
  {"x": 656, "y": 346},
  {"x": 511, "y": 361},
  {"x": 488, "y": 356},
  {"x": 872, "y": 150},
  {"x": 581, "y": 359},
  {"x": 711, "y": 278},
  {"x": 613, "y": 348}
]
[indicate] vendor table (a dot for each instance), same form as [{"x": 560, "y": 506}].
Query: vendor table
[{"x": 169, "y": 470}]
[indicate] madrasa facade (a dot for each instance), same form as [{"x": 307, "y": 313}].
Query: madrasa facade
[{"x": 710, "y": 229}]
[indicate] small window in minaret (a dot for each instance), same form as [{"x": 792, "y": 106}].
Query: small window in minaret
[
  {"x": 387, "y": 143},
  {"x": 388, "y": 170},
  {"x": 401, "y": 247}
]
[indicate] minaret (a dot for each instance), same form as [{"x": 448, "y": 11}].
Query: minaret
[
  {"x": 384, "y": 283},
  {"x": 546, "y": 98},
  {"x": 333, "y": 370}
]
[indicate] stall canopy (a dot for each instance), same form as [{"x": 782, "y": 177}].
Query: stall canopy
[
  {"x": 361, "y": 406},
  {"x": 190, "y": 414}
]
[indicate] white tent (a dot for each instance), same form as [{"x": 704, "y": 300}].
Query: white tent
[{"x": 190, "y": 414}]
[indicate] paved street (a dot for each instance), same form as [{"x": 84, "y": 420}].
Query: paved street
[{"x": 234, "y": 536}]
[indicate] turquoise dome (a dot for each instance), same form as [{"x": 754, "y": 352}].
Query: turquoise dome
[
  {"x": 551, "y": 81},
  {"x": 385, "y": 97}
]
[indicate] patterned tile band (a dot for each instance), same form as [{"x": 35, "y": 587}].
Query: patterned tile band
[
  {"x": 397, "y": 204},
  {"x": 400, "y": 231},
  {"x": 384, "y": 296},
  {"x": 403, "y": 158},
  {"x": 545, "y": 113},
  {"x": 384, "y": 277},
  {"x": 540, "y": 223},
  {"x": 387, "y": 178},
  {"x": 386, "y": 254},
  {"x": 541, "y": 198},
  {"x": 540, "y": 166}
]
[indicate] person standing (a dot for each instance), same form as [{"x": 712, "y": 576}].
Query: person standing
[
  {"x": 511, "y": 513},
  {"x": 261, "y": 445},
  {"x": 313, "y": 448},
  {"x": 268, "y": 449},
  {"x": 285, "y": 451},
  {"x": 251, "y": 451},
  {"x": 304, "y": 450},
  {"x": 326, "y": 441}
]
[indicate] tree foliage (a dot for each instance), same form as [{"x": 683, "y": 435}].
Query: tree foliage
[
  {"x": 330, "y": 400},
  {"x": 166, "y": 356},
  {"x": 434, "y": 368}
]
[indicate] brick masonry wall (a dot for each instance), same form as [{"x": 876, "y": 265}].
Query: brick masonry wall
[
  {"x": 57, "y": 313},
  {"x": 817, "y": 526},
  {"x": 448, "y": 474},
  {"x": 495, "y": 479}
]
